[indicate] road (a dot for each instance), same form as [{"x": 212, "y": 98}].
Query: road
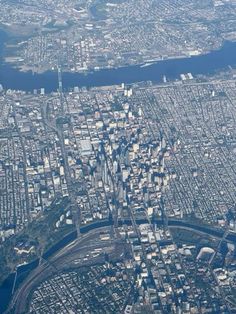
[
  {"x": 70, "y": 184},
  {"x": 86, "y": 243},
  {"x": 71, "y": 256}
]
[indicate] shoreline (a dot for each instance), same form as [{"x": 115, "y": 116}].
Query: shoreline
[
  {"x": 26, "y": 69},
  {"x": 203, "y": 65},
  {"x": 24, "y": 270}
]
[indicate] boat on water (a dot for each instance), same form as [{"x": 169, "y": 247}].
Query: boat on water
[{"x": 146, "y": 64}]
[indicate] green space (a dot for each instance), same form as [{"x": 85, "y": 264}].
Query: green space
[
  {"x": 41, "y": 233},
  {"x": 183, "y": 236},
  {"x": 99, "y": 8}
]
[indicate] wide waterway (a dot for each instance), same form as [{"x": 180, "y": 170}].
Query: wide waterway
[
  {"x": 12, "y": 78},
  {"x": 7, "y": 286},
  {"x": 210, "y": 63}
]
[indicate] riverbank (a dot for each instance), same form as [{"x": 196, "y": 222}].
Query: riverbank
[
  {"x": 24, "y": 270},
  {"x": 207, "y": 64}
]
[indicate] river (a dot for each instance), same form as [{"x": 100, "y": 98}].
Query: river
[
  {"x": 12, "y": 78},
  {"x": 24, "y": 270},
  {"x": 210, "y": 63}
]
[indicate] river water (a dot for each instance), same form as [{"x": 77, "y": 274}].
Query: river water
[
  {"x": 206, "y": 64},
  {"x": 23, "y": 271},
  {"x": 11, "y": 78}
]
